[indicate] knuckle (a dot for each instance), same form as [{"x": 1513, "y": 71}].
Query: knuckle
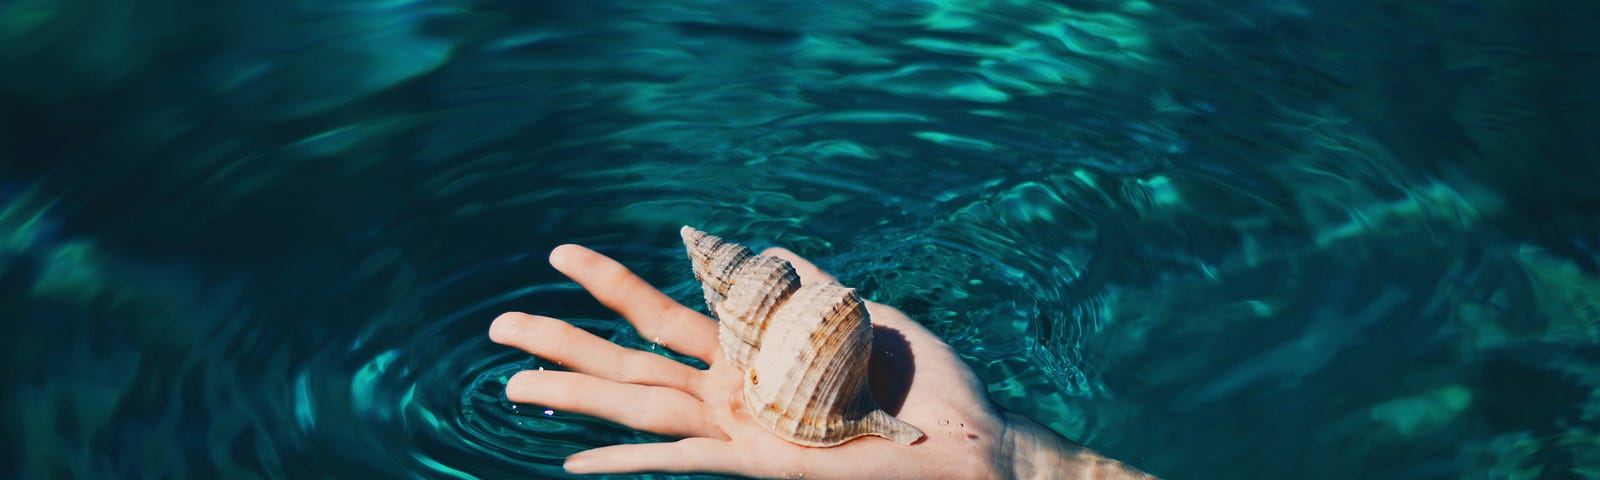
[
  {"x": 624, "y": 369},
  {"x": 633, "y": 367},
  {"x": 671, "y": 320},
  {"x": 546, "y": 327},
  {"x": 616, "y": 279},
  {"x": 657, "y": 419}
]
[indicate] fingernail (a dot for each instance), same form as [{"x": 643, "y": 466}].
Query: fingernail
[
  {"x": 504, "y": 327},
  {"x": 517, "y": 387},
  {"x": 558, "y": 256},
  {"x": 578, "y": 464}
]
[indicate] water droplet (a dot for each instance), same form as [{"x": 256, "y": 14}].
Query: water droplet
[
  {"x": 944, "y": 422},
  {"x": 958, "y": 425},
  {"x": 549, "y": 412}
]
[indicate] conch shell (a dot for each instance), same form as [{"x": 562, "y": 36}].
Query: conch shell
[{"x": 803, "y": 349}]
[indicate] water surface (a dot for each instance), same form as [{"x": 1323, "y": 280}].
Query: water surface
[{"x": 1218, "y": 239}]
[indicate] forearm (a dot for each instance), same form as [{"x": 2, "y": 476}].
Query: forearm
[{"x": 1036, "y": 452}]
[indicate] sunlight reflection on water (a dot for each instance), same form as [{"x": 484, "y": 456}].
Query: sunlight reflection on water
[{"x": 268, "y": 242}]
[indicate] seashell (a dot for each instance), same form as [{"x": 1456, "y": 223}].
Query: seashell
[
  {"x": 803, "y": 349},
  {"x": 743, "y": 306}
]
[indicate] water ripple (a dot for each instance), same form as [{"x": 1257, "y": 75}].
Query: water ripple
[{"x": 269, "y": 241}]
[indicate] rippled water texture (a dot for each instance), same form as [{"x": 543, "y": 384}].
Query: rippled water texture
[{"x": 1219, "y": 239}]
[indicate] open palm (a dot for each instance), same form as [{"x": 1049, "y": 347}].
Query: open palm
[{"x": 914, "y": 375}]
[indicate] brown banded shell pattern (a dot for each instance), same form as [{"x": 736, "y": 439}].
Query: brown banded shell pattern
[{"x": 804, "y": 350}]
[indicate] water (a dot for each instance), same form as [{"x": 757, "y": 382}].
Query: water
[{"x": 1219, "y": 239}]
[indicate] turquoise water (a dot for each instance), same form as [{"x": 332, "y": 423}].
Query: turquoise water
[{"x": 1218, "y": 239}]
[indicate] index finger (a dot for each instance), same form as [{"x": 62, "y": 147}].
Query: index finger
[{"x": 657, "y": 317}]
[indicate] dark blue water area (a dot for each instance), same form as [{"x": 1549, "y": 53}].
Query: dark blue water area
[{"x": 1216, "y": 239}]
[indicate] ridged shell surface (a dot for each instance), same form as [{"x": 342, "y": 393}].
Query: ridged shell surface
[
  {"x": 803, "y": 350},
  {"x": 742, "y": 290}
]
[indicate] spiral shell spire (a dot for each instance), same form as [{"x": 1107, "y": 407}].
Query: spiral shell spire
[{"x": 803, "y": 349}]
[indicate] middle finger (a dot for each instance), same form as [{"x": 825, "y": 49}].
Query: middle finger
[{"x": 581, "y": 351}]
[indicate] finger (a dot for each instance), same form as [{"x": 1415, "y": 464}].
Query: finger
[
  {"x": 655, "y": 315},
  {"x": 808, "y": 272},
  {"x": 652, "y": 409},
  {"x": 683, "y": 456},
  {"x": 579, "y": 350}
]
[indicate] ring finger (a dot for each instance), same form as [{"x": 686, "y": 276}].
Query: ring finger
[{"x": 653, "y": 409}]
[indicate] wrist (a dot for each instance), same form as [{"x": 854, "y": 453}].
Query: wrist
[{"x": 1036, "y": 452}]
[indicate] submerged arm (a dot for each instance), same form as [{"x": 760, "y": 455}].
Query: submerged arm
[{"x": 1037, "y": 452}]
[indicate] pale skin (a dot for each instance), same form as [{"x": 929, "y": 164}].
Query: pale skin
[{"x": 965, "y": 436}]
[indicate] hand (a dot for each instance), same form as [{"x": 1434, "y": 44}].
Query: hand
[{"x": 965, "y": 436}]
